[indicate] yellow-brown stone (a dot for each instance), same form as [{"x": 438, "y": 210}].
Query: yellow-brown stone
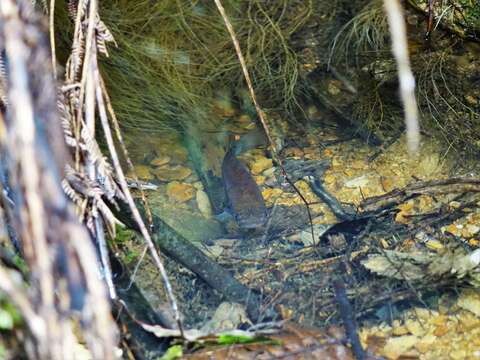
[
  {"x": 271, "y": 194},
  {"x": 387, "y": 183},
  {"x": 260, "y": 180},
  {"x": 143, "y": 173},
  {"x": 203, "y": 204},
  {"x": 426, "y": 343},
  {"x": 245, "y": 121},
  {"x": 180, "y": 192},
  {"x": 177, "y": 153},
  {"x": 160, "y": 160},
  {"x": 328, "y": 152},
  {"x": 329, "y": 178},
  {"x": 170, "y": 173},
  {"x": 261, "y": 163},
  {"x": 293, "y": 152},
  {"x": 397, "y": 346},
  {"x": 305, "y": 190},
  {"x": 311, "y": 153},
  {"x": 269, "y": 172}
]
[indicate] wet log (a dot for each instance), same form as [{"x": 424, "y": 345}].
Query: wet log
[{"x": 175, "y": 246}]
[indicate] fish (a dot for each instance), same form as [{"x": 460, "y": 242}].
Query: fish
[{"x": 244, "y": 199}]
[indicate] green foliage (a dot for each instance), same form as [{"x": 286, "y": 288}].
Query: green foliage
[
  {"x": 124, "y": 235},
  {"x": 6, "y": 320},
  {"x": 442, "y": 74},
  {"x": 176, "y": 351},
  {"x": 465, "y": 13},
  {"x": 124, "y": 239},
  {"x": 131, "y": 256},
  {"x": 173, "y": 352},
  {"x": 20, "y": 263},
  {"x": 9, "y": 316},
  {"x": 229, "y": 339}
]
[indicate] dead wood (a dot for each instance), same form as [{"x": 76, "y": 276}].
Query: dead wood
[
  {"x": 431, "y": 187},
  {"x": 174, "y": 245},
  {"x": 348, "y": 317}
]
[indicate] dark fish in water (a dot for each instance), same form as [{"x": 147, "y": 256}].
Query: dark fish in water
[{"x": 243, "y": 195}]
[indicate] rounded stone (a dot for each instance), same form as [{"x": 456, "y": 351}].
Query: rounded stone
[
  {"x": 271, "y": 194},
  {"x": 293, "y": 152},
  {"x": 160, "y": 160},
  {"x": 260, "y": 180},
  {"x": 170, "y": 173},
  {"x": 180, "y": 192},
  {"x": 260, "y": 164},
  {"x": 143, "y": 172},
  {"x": 198, "y": 185},
  {"x": 203, "y": 204},
  {"x": 177, "y": 153}
]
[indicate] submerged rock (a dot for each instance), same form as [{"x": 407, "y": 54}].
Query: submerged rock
[
  {"x": 261, "y": 163},
  {"x": 170, "y": 173},
  {"x": 143, "y": 172},
  {"x": 160, "y": 160},
  {"x": 188, "y": 222},
  {"x": 180, "y": 192},
  {"x": 203, "y": 204}
]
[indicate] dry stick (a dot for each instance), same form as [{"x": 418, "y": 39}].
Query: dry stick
[
  {"x": 82, "y": 242},
  {"x": 70, "y": 76},
  {"x": 103, "y": 249},
  {"x": 90, "y": 163},
  {"x": 398, "y": 33},
  {"x": 135, "y": 270},
  {"x": 88, "y": 51},
  {"x": 260, "y": 113},
  {"x": 119, "y": 136},
  {"x": 131, "y": 202},
  {"x": 118, "y": 133},
  {"x": 348, "y": 317},
  {"x": 52, "y": 37},
  {"x": 76, "y": 45},
  {"x": 91, "y": 169}
]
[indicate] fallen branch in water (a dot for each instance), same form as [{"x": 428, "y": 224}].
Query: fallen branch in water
[
  {"x": 174, "y": 245},
  {"x": 430, "y": 187}
]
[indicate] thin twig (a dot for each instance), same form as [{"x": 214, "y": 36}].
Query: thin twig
[
  {"x": 131, "y": 203},
  {"x": 135, "y": 270},
  {"x": 119, "y": 136},
  {"x": 52, "y": 37}
]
